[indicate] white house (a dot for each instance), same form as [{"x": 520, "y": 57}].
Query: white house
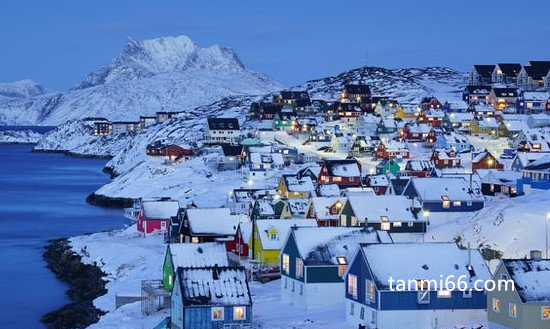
[{"x": 223, "y": 130}]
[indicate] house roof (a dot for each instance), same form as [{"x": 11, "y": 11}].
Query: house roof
[
  {"x": 500, "y": 177},
  {"x": 215, "y": 221},
  {"x": 423, "y": 261},
  {"x": 531, "y": 278},
  {"x": 282, "y": 226},
  {"x": 215, "y": 286},
  {"x": 399, "y": 185},
  {"x": 297, "y": 94},
  {"x": 505, "y": 92},
  {"x": 528, "y": 157},
  {"x": 477, "y": 90},
  {"x": 295, "y": 184},
  {"x": 223, "y": 124},
  {"x": 456, "y": 189},
  {"x": 357, "y": 89},
  {"x": 321, "y": 206},
  {"x": 536, "y": 72},
  {"x": 232, "y": 150},
  {"x": 322, "y": 245},
  {"x": 329, "y": 190},
  {"x": 275, "y": 158},
  {"x": 161, "y": 209},
  {"x": 419, "y": 165},
  {"x": 198, "y": 254},
  {"x": 371, "y": 208},
  {"x": 535, "y": 95},
  {"x": 343, "y": 168},
  {"x": 540, "y": 164},
  {"x": 510, "y": 69},
  {"x": 485, "y": 71}
]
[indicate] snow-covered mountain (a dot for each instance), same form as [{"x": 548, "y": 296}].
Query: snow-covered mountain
[
  {"x": 170, "y": 73},
  {"x": 21, "y": 89},
  {"x": 408, "y": 85}
]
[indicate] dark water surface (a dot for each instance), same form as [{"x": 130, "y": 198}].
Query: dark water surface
[{"x": 41, "y": 198}]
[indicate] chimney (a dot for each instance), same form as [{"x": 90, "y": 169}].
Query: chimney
[{"x": 536, "y": 254}]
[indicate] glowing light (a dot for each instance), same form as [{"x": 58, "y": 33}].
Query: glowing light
[{"x": 426, "y": 213}]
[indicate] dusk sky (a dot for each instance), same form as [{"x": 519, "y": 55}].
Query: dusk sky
[{"x": 56, "y": 43}]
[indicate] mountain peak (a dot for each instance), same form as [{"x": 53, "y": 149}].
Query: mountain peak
[
  {"x": 147, "y": 58},
  {"x": 22, "y": 89}
]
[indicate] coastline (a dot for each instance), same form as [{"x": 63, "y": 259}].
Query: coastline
[
  {"x": 105, "y": 201},
  {"x": 71, "y": 154},
  {"x": 86, "y": 283}
]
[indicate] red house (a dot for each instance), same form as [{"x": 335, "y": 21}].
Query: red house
[
  {"x": 434, "y": 118},
  {"x": 485, "y": 160},
  {"x": 392, "y": 150},
  {"x": 430, "y": 103},
  {"x": 445, "y": 159},
  {"x": 344, "y": 173},
  {"x": 419, "y": 168},
  {"x": 172, "y": 152},
  {"x": 415, "y": 132},
  {"x": 154, "y": 216},
  {"x": 239, "y": 244},
  {"x": 378, "y": 183},
  {"x": 349, "y": 112}
]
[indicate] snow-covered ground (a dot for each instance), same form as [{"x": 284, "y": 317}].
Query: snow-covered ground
[{"x": 19, "y": 137}]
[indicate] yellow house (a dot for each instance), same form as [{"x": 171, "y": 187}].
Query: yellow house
[
  {"x": 269, "y": 236},
  {"x": 400, "y": 113},
  {"x": 295, "y": 187},
  {"x": 484, "y": 126}
]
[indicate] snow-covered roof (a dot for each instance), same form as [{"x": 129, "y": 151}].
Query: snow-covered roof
[
  {"x": 282, "y": 226},
  {"x": 297, "y": 206},
  {"x": 346, "y": 170},
  {"x": 419, "y": 165},
  {"x": 536, "y": 96},
  {"x": 371, "y": 208},
  {"x": 423, "y": 261},
  {"x": 378, "y": 180},
  {"x": 216, "y": 286},
  {"x": 162, "y": 209},
  {"x": 321, "y": 245},
  {"x": 528, "y": 157},
  {"x": 455, "y": 189},
  {"x": 531, "y": 278},
  {"x": 217, "y": 221},
  {"x": 460, "y": 117},
  {"x": 265, "y": 207},
  {"x": 321, "y": 206},
  {"x": 302, "y": 184},
  {"x": 259, "y": 158},
  {"x": 198, "y": 254},
  {"x": 329, "y": 190},
  {"x": 500, "y": 177},
  {"x": 421, "y": 128},
  {"x": 542, "y": 164},
  {"x": 516, "y": 125}
]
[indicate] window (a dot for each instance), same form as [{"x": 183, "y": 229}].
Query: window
[
  {"x": 239, "y": 313},
  {"x": 397, "y": 224},
  {"x": 299, "y": 268},
  {"x": 273, "y": 236},
  {"x": 446, "y": 203},
  {"x": 444, "y": 294},
  {"x": 545, "y": 312},
  {"x": 469, "y": 203},
  {"x": 362, "y": 313},
  {"x": 342, "y": 265},
  {"x": 467, "y": 294},
  {"x": 457, "y": 204},
  {"x": 371, "y": 291},
  {"x": 301, "y": 289},
  {"x": 384, "y": 223},
  {"x": 351, "y": 308},
  {"x": 496, "y": 305},
  {"x": 343, "y": 220},
  {"x": 352, "y": 285},
  {"x": 194, "y": 239},
  {"x": 512, "y": 310},
  {"x": 293, "y": 286},
  {"x": 286, "y": 264},
  {"x": 337, "y": 179},
  {"x": 286, "y": 283},
  {"x": 423, "y": 297},
  {"x": 217, "y": 313}
]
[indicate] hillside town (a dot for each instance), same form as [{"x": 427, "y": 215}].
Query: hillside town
[{"x": 328, "y": 190}]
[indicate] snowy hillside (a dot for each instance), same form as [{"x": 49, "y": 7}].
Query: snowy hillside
[
  {"x": 147, "y": 76},
  {"x": 21, "y": 89},
  {"x": 19, "y": 137},
  {"x": 407, "y": 85}
]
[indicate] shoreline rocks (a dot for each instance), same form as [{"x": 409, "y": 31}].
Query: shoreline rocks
[
  {"x": 105, "y": 201},
  {"x": 86, "y": 283}
]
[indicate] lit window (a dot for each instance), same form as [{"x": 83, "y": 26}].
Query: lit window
[
  {"x": 286, "y": 263},
  {"x": 444, "y": 294},
  {"x": 545, "y": 312},
  {"x": 457, "y": 204},
  {"x": 496, "y": 305},
  {"x": 217, "y": 313},
  {"x": 371, "y": 290},
  {"x": 194, "y": 239},
  {"x": 337, "y": 179},
  {"x": 342, "y": 265},
  {"x": 299, "y": 268},
  {"x": 512, "y": 310},
  {"x": 352, "y": 285},
  {"x": 239, "y": 313},
  {"x": 397, "y": 224},
  {"x": 384, "y": 223}
]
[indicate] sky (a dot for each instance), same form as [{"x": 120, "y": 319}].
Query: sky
[{"x": 56, "y": 43}]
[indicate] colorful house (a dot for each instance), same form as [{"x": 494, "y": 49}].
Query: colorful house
[
  {"x": 211, "y": 297},
  {"x": 268, "y": 237},
  {"x": 155, "y": 216},
  {"x": 387, "y": 166},
  {"x": 537, "y": 173},
  {"x": 191, "y": 255},
  {"x": 295, "y": 186},
  {"x": 392, "y": 150},
  {"x": 524, "y": 300},
  {"x": 445, "y": 159},
  {"x": 344, "y": 173},
  {"x": 314, "y": 259},
  {"x": 445, "y": 194},
  {"x": 326, "y": 210},
  {"x": 285, "y": 119},
  {"x": 374, "y": 299},
  {"x": 485, "y": 160},
  {"x": 207, "y": 224},
  {"x": 504, "y": 183}
]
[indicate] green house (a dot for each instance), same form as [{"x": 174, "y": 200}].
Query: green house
[
  {"x": 191, "y": 255},
  {"x": 314, "y": 259},
  {"x": 522, "y": 297},
  {"x": 284, "y": 119},
  {"x": 387, "y": 166}
]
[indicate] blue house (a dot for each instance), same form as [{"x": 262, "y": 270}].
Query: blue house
[
  {"x": 314, "y": 259},
  {"x": 397, "y": 285},
  {"x": 211, "y": 298},
  {"x": 537, "y": 173},
  {"x": 451, "y": 194}
]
